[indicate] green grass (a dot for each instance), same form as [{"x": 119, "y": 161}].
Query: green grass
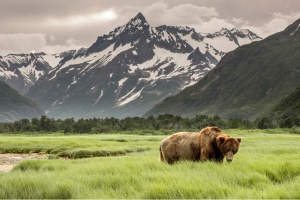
[
  {"x": 77, "y": 146},
  {"x": 266, "y": 166}
]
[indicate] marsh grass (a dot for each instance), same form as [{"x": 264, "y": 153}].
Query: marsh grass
[
  {"x": 266, "y": 166},
  {"x": 77, "y": 146}
]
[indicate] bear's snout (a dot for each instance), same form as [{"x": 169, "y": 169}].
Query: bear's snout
[{"x": 229, "y": 156}]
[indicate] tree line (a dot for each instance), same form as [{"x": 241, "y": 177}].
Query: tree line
[{"x": 162, "y": 122}]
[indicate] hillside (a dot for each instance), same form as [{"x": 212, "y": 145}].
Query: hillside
[
  {"x": 248, "y": 82},
  {"x": 288, "y": 107},
  {"x": 14, "y": 106}
]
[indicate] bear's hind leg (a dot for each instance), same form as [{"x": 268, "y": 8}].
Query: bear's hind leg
[{"x": 171, "y": 155}]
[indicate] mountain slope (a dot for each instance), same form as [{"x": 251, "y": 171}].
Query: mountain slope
[
  {"x": 126, "y": 72},
  {"x": 21, "y": 71},
  {"x": 246, "y": 83},
  {"x": 288, "y": 107},
  {"x": 13, "y": 106}
]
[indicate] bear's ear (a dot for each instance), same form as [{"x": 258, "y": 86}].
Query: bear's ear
[
  {"x": 221, "y": 139},
  {"x": 239, "y": 140}
]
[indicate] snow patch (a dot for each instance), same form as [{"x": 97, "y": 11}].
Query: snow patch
[
  {"x": 295, "y": 30},
  {"x": 99, "y": 97},
  {"x": 7, "y": 74},
  {"x": 52, "y": 60},
  {"x": 221, "y": 43},
  {"x": 194, "y": 43},
  {"x": 194, "y": 79},
  {"x": 99, "y": 58},
  {"x": 29, "y": 70},
  {"x": 74, "y": 81},
  {"x": 14, "y": 59},
  {"x": 122, "y": 81},
  {"x": 129, "y": 97}
]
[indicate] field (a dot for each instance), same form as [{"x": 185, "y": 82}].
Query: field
[{"x": 107, "y": 166}]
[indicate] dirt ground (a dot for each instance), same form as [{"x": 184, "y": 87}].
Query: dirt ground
[{"x": 8, "y": 161}]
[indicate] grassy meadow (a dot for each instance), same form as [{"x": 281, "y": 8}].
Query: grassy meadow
[{"x": 127, "y": 166}]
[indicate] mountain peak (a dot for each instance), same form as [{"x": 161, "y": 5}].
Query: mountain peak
[
  {"x": 138, "y": 20},
  {"x": 121, "y": 35},
  {"x": 140, "y": 16},
  {"x": 196, "y": 56},
  {"x": 224, "y": 29}
]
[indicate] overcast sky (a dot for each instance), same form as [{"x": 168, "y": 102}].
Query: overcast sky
[{"x": 54, "y": 26}]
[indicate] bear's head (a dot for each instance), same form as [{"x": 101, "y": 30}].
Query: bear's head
[{"x": 228, "y": 146}]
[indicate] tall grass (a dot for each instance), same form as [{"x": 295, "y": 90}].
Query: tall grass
[{"x": 266, "y": 166}]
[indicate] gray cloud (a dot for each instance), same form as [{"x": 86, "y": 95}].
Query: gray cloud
[
  {"x": 29, "y": 42},
  {"x": 55, "y": 25}
]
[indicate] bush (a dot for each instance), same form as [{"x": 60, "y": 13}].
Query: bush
[
  {"x": 295, "y": 130},
  {"x": 164, "y": 124},
  {"x": 265, "y": 123}
]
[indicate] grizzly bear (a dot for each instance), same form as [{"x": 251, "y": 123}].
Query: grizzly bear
[{"x": 210, "y": 144}]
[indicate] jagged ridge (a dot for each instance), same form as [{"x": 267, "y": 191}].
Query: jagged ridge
[
  {"x": 247, "y": 83},
  {"x": 125, "y": 72}
]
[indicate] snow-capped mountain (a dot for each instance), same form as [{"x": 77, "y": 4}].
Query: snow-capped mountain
[
  {"x": 21, "y": 71},
  {"x": 260, "y": 79},
  {"x": 129, "y": 70},
  {"x": 227, "y": 40}
]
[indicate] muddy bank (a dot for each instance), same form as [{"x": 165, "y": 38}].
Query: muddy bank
[{"x": 9, "y": 160}]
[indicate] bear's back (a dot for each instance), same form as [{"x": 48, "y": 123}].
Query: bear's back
[
  {"x": 208, "y": 135},
  {"x": 181, "y": 146},
  {"x": 181, "y": 138}
]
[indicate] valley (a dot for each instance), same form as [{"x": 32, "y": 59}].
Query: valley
[{"x": 266, "y": 166}]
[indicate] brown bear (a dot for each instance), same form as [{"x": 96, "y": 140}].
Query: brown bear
[{"x": 210, "y": 144}]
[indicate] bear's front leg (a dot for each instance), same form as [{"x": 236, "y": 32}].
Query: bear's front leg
[
  {"x": 204, "y": 156},
  {"x": 207, "y": 155}
]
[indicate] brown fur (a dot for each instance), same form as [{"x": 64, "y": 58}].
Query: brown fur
[{"x": 210, "y": 144}]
